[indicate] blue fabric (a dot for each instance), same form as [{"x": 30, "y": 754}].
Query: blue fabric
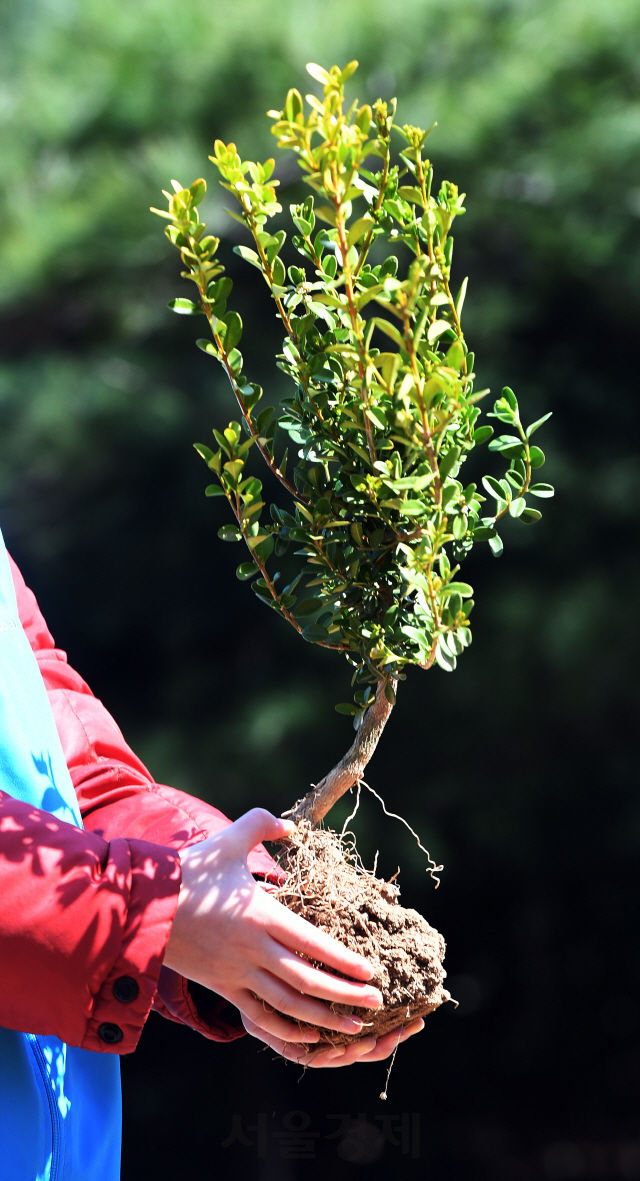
[{"x": 60, "y": 1107}]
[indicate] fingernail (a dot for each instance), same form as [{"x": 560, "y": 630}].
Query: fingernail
[
  {"x": 414, "y": 1027},
  {"x": 373, "y": 998},
  {"x": 352, "y": 1025}
]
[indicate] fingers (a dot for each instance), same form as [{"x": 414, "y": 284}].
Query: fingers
[
  {"x": 295, "y": 1052},
  {"x": 290, "y": 1050},
  {"x": 255, "y": 826},
  {"x": 288, "y": 1000},
  {"x": 341, "y": 1055},
  {"x": 302, "y": 976},
  {"x": 265, "y": 1018},
  {"x": 387, "y": 1044},
  {"x": 364, "y": 1050},
  {"x": 297, "y": 934}
]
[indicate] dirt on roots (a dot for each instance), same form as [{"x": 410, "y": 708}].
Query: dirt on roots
[{"x": 328, "y": 886}]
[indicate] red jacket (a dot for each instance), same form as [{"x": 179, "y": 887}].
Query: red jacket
[{"x": 66, "y": 949}]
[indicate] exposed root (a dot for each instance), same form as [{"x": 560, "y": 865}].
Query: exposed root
[
  {"x": 383, "y": 1094},
  {"x": 328, "y": 885},
  {"x": 432, "y": 868}
]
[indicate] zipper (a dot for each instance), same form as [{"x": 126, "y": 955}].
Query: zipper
[{"x": 54, "y": 1111}]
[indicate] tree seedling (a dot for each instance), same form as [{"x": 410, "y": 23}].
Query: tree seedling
[{"x": 382, "y": 411}]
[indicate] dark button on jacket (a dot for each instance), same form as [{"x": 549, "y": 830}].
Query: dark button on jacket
[
  {"x": 110, "y": 1033},
  {"x": 125, "y": 989}
]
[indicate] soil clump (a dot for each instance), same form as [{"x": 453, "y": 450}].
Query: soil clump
[{"x": 327, "y": 885}]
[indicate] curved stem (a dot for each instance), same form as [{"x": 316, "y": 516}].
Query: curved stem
[{"x": 351, "y": 767}]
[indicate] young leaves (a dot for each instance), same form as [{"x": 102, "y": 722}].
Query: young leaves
[{"x": 382, "y": 411}]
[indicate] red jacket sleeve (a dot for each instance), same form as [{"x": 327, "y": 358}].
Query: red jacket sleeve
[
  {"x": 84, "y": 927},
  {"x": 119, "y": 798}
]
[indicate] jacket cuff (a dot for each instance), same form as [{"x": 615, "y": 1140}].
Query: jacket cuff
[
  {"x": 152, "y": 879},
  {"x": 191, "y": 1004}
]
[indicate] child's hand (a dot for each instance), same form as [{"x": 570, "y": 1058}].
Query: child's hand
[{"x": 234, "y": 938}]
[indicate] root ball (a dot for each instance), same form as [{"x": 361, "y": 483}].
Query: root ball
[{"x": 327, "y": 885}]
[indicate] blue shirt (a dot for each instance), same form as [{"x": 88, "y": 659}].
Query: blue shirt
[{"x": 60, "y": 1107}]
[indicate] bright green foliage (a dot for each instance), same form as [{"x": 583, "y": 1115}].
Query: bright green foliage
[{"x": 383, "y": 412}]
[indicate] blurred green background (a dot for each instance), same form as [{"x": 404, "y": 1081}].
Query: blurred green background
[{"x": 520, "y": 771}]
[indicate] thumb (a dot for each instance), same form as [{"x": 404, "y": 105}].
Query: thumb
[{"x": 258, "y": 825}]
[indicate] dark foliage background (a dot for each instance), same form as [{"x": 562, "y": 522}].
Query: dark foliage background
[{"x": 520, "y": 770}]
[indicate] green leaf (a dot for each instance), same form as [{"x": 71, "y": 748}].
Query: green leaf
[
  {"x": 530, "y": 516},
  {"x": 484, "y": 533},
  {"x": 376, "y": 416},
  {"x": 534, "y": 425},
  {"x": 458, "y": 588},
  {"x": 233, "y": 331},
  {"x": 542, "y": 490},
  {"x": 412, "y": 194},
  {"x": 260, "y": 588},
  {"x": 347, "y": 707},
  {"x": 326, "y": 213},
  {"x": 248, "y": 256},
  {"x": 509, "y": 445},
  {"x": 204, "y": 451},
  {"x": 349, "y": 69},
  {"x": 492, "y": 486},
  {"x": 459, "y": 306},
  {"x": 482, "y": 434},
  {"x": 246, "y": 570},
  {"x": 455, "y": 356},
  {"x": 253, "y": 396},
  {"x": 220, "y": 290},
  {"x": 536, "y": 457},
  {"x": 448, "y": 462},
  {"x": 185, "y": 307},
  {"x": 275, "y": 244},
  {"x": 359, "y": 451},
  {"x": 517, "y": 506},
  {"x": 459, "y": 527},
  {"x": 436, "y": 329},
  {"x": 207, "y": 346},
  {"x": 264, "y": 549},
  {"x": 278, "y": 272},
  {"x": 414, "y": 508},
  {"x": 229, "y": 533},
  {"x": 234, "y": 467},
  {"x": 214, "y": 490},
  {"x": 235, "y": 361},
  {"x": 319, "y": 73},
  {"x": 359, "y": 229},
  {"x": 389, "y": 330},
  {"x": 410, "y": 483},
  {"x": 496, "y": 545},
  {"x": 510, "y": 396},
  {"x": 293, "y": 105},
  {"x": 308, "y": 607},
  {"x": 444, "y": 658},
  {"x": 198, "y": 190},
  {"x": 314, "y": 634}
]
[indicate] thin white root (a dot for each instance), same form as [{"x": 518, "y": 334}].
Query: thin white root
[
  {"x": 383, "y": 1094},
  {"x": 432, "y": 868},
  {"x": 344, "y": 826}
]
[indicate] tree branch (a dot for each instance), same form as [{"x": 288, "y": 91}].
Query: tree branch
[{"x": 351, "y": 767}]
